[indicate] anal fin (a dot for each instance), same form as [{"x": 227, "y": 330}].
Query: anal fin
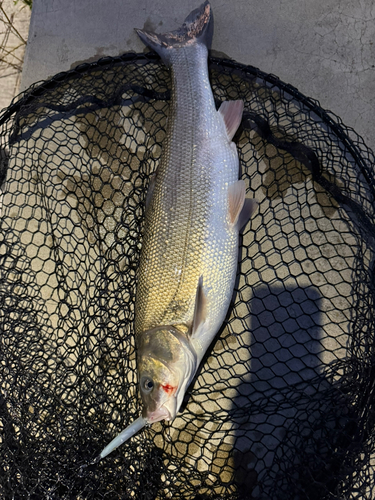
[{"x": 231, "y": 111}]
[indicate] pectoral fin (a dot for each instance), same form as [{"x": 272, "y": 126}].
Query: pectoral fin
[
  {"x": 200, "y": 310},
  {"x": 231, "y": 111},
  {"x": 240, "y": 207}
]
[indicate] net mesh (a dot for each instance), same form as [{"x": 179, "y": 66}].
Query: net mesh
[{"x": 283, "y": 405}]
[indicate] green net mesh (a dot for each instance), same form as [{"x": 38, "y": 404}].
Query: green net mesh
[{"x": 283, "y": 406}]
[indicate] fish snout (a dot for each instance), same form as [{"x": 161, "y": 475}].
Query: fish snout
[{"x": 161, "y": 413}]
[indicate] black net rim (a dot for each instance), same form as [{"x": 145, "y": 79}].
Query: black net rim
[{"x": 346, "y": 134}]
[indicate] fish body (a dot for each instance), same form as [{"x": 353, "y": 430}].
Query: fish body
[
  {"x": 189, "y": 255},
  {"x": 196, "y": 207}
]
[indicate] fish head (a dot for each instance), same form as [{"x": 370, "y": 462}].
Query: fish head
[
  {"x": 158, "y": 386},
  {"x": 166, "y": 366}
]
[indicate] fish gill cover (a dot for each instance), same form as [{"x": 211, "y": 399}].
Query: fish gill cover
[{"x": 283, "y": 405}]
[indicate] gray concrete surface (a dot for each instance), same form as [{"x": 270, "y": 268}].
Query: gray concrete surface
[
  {"x": 14, "y": 27},
  {"x": 322, "y": 47}
]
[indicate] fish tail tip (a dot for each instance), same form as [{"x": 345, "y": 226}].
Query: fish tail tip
[
  {"x": 197, "y": 27},
  {"x": 147, "y": 37},
  {"x": 201, "y": 14}
]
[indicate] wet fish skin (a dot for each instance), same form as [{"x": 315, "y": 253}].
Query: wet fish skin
[
  {"x": 196, "y": 207},
  {"x": 190, "y": 235}
]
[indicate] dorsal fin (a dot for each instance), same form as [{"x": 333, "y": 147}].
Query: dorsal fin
[{"x": 231, "y": 111}]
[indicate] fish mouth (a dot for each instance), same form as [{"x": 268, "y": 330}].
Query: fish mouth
[{"x": 160, "y": 414}]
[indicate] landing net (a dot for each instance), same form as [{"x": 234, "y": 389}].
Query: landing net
[{"x": 283, "y": 406}]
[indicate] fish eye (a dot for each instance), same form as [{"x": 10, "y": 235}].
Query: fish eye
[{"x": 147, "y": 384}]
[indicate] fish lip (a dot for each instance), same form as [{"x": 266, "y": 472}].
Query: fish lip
[{"x": 161, "y": 413}]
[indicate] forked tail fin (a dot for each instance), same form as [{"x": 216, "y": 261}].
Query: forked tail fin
[{"x": 197, "y": 28}]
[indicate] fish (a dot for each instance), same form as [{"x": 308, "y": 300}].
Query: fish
[{"x": 196, "y": 207}]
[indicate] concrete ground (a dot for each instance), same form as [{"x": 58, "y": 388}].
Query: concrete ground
[
  {"x": 14, "y": 27},
  {"x": 322, "y": 47}
]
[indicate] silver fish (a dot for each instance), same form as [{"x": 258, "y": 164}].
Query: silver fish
[{"x": 196, "y": 207}]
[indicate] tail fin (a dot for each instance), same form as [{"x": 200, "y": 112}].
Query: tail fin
[{"x": 197, "y": 27}]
